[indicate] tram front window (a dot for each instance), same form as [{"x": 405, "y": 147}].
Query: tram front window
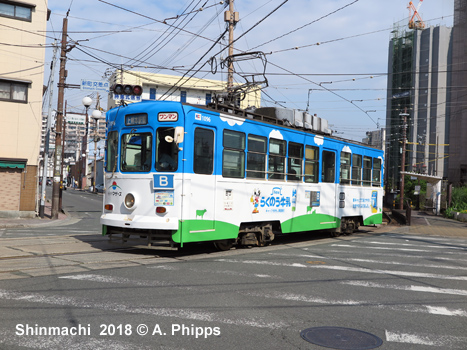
[
  {"x": 166, "y": 150},
  {"x": 136, "y": 152}
]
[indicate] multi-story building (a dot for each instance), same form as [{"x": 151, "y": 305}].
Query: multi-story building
[
  {"x": 21, "y": 88},
  {"x": 458, "y": 122},
  {"x": 418, "y": 81},
  {"x": 376, "y": 139},
  {"x": 176, "y": 88}
]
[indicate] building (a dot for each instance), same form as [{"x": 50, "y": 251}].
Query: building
[
  {"x": 175, "y": 88},
  {"x": 458, "y": 122},
  {"x": 376, "y": 139},
  {"x": 418, "y": 78},
  {"x": 21, "y": 89}
]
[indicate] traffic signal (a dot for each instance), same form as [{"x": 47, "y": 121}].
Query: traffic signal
[{"x": 125, "y": 89}]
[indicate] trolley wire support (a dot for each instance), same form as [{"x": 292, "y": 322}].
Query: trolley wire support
[{"x": 238, "y": 93}]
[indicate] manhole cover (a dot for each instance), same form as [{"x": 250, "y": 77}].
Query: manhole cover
[{"x": 341, "y": 338}]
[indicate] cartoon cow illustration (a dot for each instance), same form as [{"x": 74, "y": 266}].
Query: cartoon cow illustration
[{"x": 200, "y": 213}]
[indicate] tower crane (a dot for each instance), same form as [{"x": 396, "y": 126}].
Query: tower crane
[{"x": 415, "y": 24}]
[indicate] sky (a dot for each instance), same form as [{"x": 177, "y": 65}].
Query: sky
[{"x": 327, "y": 57}]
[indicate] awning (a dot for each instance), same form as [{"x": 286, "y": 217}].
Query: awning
[{"x": 12, "y": 164}]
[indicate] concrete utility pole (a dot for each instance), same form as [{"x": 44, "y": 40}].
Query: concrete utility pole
[
  {"x": 63, "y": 156},
  {"x": 404, "y": 142},
  {"x": 58, "y": 124},
  {"x": 47, "y": 133},
  {"x": 232, "y": 18}
]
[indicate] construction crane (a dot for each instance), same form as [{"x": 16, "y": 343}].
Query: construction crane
[{"x": 415, "y": 24}]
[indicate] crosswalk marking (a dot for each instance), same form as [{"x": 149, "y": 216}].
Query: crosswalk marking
[
  {"x": 408, "y": 288},
  {"x": 348, "y": 268},
  {"x": 182, "y": 313},
  {"x": 375, "y": 261},
  {"x": 441, "y": 342}
]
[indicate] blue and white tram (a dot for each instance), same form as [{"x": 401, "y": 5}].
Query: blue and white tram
[{"x": 182, "y": 173}]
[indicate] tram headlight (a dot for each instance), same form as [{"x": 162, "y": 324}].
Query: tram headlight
[{"x": 129, "y": 201}]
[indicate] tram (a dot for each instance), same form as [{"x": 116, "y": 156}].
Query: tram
[{"x": 181, "y": 173}]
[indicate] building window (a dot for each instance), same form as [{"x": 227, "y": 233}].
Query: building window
[
  {"x": 16, "y": 11},
  {"x": 208, "y": 99},
  {"x": 182, "y": 96},
  {"x": 13, "y": 91},
  {"x": 233, "y": 164},
  {"x": 256, "y": 161},
  {"x": 152, "y": 94}
]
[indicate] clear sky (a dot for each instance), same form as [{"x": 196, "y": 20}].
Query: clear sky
[{"x": 342, "y": 79}]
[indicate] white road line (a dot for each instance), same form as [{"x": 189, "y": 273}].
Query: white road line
[
  {"x": 121, "y": 280},
  {"x": 440, "y": 341},
  {"x": 385, "y": 248},
  {"x": 369, "y": 252},
  {"x": 411, "y": 245},
  {"x": 372, "y": 261},
  {"x": 59, "y": 342},
  {"x": 426, "y": 309},
  {"x": 347, "y": 268},
  {"x": 427, "y": 222},
  {"x": 183, "y": 313},
  {"x": 407, "y": 288}
]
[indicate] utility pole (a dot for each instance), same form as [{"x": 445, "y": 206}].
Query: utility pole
[
  {"x": 232, "y": 18},
  {"x": 96, "y": 119},
  {"x": 404, "y": 142},
  {"x": 47, "y": 133},
  {"x": 59, "y": 122},
  {"x": 63, "y": 156}
]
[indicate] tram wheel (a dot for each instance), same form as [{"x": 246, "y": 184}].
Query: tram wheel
[{"x": 223, "y": 245}]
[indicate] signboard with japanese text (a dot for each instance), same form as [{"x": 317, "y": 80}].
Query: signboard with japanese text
[{"x": 94, "y": 85}]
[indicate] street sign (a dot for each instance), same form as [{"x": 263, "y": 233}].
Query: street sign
[
  {"x": 132, "y": 98},
  {"x": 94, "y": 85},
  {"x": 73, "y": 118}
]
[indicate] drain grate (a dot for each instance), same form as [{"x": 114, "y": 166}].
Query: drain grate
[{"x": 341, "y": 338}]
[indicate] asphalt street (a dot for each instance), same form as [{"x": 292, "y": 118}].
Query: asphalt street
[{"x": 406, "y": 286}]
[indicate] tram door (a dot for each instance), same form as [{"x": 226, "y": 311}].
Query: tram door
[
  {"x": 328, "y": 185},
  {"x": 203, "y": 185}
]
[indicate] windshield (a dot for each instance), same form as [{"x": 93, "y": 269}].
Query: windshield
[{"x": 136, "y": 152}]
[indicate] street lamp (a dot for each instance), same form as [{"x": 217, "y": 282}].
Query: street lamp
[
  {"x": 87, "y": 101},
  {"x": 96, "y": 114}
]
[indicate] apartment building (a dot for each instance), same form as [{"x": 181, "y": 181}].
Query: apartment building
[{"x": 21, "y": 88}]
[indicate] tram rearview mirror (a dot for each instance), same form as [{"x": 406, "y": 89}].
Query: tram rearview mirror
[{"x": 178, "y": 134}]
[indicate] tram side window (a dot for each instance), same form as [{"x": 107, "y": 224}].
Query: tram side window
[
  {"x": 276, "y": 164},
  {"x": 203, "y": 159},
  {"x": 345, "y": 168},
  {"x": 256, "y": 157},
  {"x": 136, "y": 152},
  {"x": 311, "y": 164},
  {"x": 367, "y": 171},
  {"x": 376, "y": 172},
  {"x": 294, "y": 172},
  {"x": 166, "y": 152},
  {"x": 356, "y": 169},
  {"x": 233, "y": 157},
  {"x": 112, "y": 151},
  {"x": 329, "y": 165}
]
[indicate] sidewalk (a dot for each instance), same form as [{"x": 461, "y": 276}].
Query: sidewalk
[
  {"x": 37, "y": 221},
  {"x": 429, "y": 224}
]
